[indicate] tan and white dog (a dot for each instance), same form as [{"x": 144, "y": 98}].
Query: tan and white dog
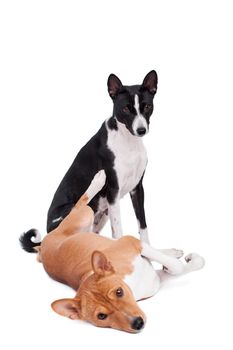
[{"x": 109, "y": 275}]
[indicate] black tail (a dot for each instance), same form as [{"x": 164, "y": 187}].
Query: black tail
[{"x": 26, "y": 240}]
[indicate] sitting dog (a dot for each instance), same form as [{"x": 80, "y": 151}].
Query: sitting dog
[
  {"x": 109, "y": 275},
  {"x": 118, "y": 149}
]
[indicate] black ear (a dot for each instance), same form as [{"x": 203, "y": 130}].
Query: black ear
[
  {"x": 150, "y": 82},
  {"x": 114, "y": 85}
]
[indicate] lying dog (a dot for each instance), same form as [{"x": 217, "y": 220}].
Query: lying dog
[
  {"x": 118, "y": 149},
  {"x": 109, "y": 275}
]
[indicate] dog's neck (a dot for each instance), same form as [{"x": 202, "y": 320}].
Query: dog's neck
[{"x": 121, "y": 132}]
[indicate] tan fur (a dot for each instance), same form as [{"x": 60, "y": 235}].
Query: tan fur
[{"x": 94, "y": 266}]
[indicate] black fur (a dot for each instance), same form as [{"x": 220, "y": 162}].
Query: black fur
[
  {"x": 93, "y": 157},
  {"x": 26, "y": 242},
  {"x": 137, "y": 197}
]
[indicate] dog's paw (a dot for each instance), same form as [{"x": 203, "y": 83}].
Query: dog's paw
[
  {"x": 176, "y": 253},
  {"x": 195, "y": 260},
  {"x": 99, "y": 179},
  {"x": 174, "y": 267}
]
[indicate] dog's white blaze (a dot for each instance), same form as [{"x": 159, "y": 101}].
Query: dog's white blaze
[
  {"x": 139, "y": 121},
  {"x": 143, "y": 281}
]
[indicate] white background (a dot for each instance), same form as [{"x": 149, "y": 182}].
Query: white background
[{"x": 54, "y": 63}]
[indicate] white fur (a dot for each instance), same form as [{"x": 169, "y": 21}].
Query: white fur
[
  {"x": 96, "y": 184},
  {"x": 143, "y": 281},
  {"x": 115, "y": 219},
  {"x": 37, "y": 238},
  {"x": 129, "y": 164},
  {"x": 173, "y": 265},
  {"x": 143, "y": 234},
  {"x": 131, "y": 158},
  {"x": 139, "y": 121}
]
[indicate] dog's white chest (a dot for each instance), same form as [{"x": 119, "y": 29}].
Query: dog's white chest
[
  {"x": 130, "y": 159},
  {"x": 143, "y": 281}
]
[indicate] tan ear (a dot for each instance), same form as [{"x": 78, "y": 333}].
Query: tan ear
[
  {"x": 67, "y": 307},
  {"x": 100, "y": 264}
]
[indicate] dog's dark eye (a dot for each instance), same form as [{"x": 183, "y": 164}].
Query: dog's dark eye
[
  {"x": 102, "y": 316},
  {"x": 147, "y": 108},
  {"x": 126, "y": 109},
  {"x": 119, "y": 292}
]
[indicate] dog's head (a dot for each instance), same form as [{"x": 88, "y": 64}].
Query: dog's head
[
  {"x": 133, "y": 105},
  {"x": 104, "y": 300}
]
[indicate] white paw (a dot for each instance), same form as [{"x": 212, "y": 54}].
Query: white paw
[
  {"x": 176, "y": 253},
  {"x": 175, "y": 267},
  {"x": 99, "y": 179},
  {"x": 195, "y": 260}
]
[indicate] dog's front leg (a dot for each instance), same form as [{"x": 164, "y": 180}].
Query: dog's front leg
[
  {"x": 115, "y": 218},
  {"x": 113, "y": 199},
  {"x": 137, "y": 197},
  {"x": 170, "y": 261},
  {"x": 172, "y": 264}
]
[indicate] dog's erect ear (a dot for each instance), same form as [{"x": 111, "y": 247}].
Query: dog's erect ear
[
  {"x": 114, "y": 85},
  {"x": 150, "y": 82},
  {"x": 101, "y": 266},
  {"x": 67, "y": 307}
]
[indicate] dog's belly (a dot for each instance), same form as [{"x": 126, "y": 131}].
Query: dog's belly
[{"x": 143, "y": 281}]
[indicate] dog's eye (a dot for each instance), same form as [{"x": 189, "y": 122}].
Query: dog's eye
[
  {"x": 102, "y": 316},
  {"x": 119, "y": 292},
  {"x": 126, "y": 109},
  {"x": 147, "y": 108}
]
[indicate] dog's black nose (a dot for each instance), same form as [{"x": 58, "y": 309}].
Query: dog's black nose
[
  {"x": 137, "y": 323},
  {"x": 141, "y": 131}
]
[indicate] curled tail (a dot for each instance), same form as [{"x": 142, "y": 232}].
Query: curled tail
[{"x": 26, "y": 240}]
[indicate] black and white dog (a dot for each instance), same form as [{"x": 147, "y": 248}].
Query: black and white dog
[{"x": 118, "y": 149}]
